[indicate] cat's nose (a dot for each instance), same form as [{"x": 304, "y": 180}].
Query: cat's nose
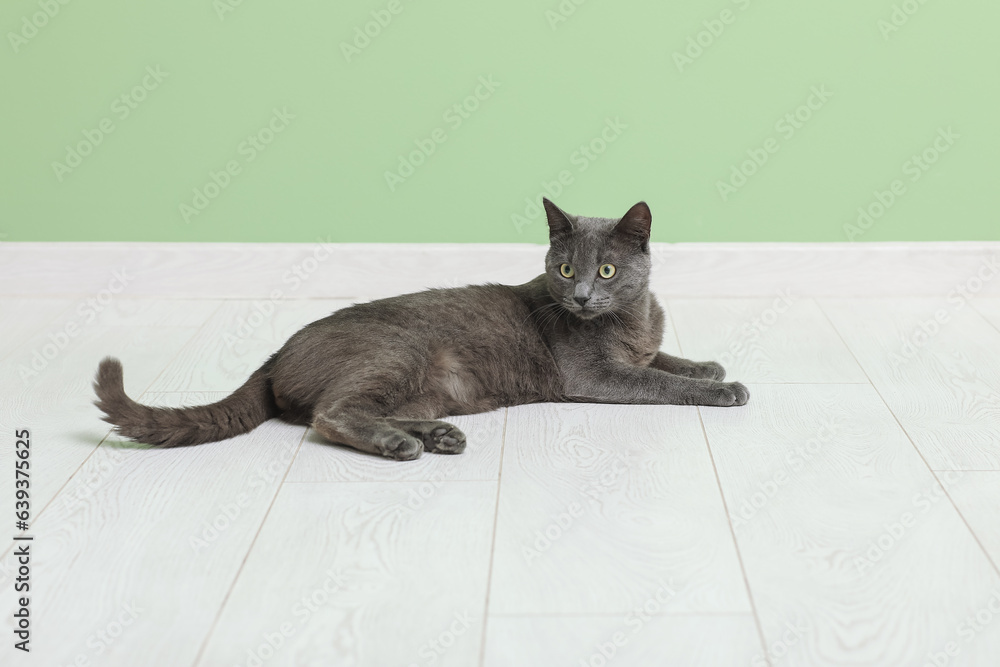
[{"x": 582, "y": 300}]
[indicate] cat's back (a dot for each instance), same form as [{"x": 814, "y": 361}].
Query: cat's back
[
  {"x": 492, "y": 321},
  {"x": 484, "y": 333},
  {"x": 451, "y": 309}
]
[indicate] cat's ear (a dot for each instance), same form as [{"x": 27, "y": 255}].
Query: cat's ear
[
  {"x": 636, "y": 224},
  {"x": 560, "y": 222}
]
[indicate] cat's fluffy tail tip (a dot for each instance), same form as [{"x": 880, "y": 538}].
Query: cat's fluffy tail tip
[{"x": 109, "y": 385}]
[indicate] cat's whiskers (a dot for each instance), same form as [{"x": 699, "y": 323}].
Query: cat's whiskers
[
  {"x": 632, "y": 309},
  {"x": 553, "y": 315},
  {"x": 546, "y": 313}
]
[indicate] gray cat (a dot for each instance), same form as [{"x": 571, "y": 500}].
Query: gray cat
[{"x": 378, "y": 376}]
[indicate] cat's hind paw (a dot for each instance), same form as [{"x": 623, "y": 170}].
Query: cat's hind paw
[{"x": 445, "y": 439}]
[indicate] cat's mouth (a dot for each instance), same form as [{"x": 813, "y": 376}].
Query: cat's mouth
[{"x": 586, "y": 312}]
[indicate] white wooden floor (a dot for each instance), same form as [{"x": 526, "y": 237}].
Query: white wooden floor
[{"x": 849, "y": 515}]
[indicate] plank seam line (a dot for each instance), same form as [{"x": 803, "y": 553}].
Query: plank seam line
[
  {"x": 105, "y": 438},
  {"x": 989, "y": 322},
  {"x": 493, "y": 543},
  {"x": 246, "y": 556},
  {"x": 968, "y": 526},
  {"x": 736, "y": 545},
  {"x": 725, "y": 505}
]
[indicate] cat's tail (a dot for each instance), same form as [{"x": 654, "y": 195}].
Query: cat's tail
[{"x": 240, "y": 412}]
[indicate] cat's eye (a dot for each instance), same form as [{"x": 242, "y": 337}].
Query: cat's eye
[
  {"x": 566, "y": 270},
  {"x": 606, "y": 270}
]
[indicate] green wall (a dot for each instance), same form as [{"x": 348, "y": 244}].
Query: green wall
[{"x": 841, "y": 104}]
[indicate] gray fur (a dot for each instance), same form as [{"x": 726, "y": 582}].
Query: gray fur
[{"x": 379, "y": 376}]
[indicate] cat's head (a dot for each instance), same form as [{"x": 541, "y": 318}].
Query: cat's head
[{"x": 597, "y": 265}]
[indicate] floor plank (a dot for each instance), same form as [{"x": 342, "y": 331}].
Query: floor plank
[
  {"x": 297, "y": 270},
  {"x": 365, "y": 579},
  {"x": 844, "y": 532},
  {"x": 164, "y": 532},
  {"x": 977, "y": 496},
  {"x": 988, "y": 308},
  {"x": 258, "y": 270},
  {"x": 781, "y": 339},
  {"x": 23, "y": 316},
  {"x": 600, "y": 502},
  {"x": 858, "y": 270},
  {"x": 635, "y": 640},
  {"x": 53, "y": 397},
  {"x": 943, "y": 386}
]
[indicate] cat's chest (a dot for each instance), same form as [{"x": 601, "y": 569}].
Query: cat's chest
[
  {"x": 638, "y": 343},
  {"x": 636, "y": 350},
  {"x": 633, "y": 345}
]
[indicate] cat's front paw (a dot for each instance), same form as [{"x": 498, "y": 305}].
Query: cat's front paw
[
  {"x": 710, "y": 370},
  {"x": 698, "y": 370},
  {"x": 728, "y": 394}
]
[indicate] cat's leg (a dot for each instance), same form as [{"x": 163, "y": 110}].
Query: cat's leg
[
  {"x": 438, "y": 437},
  {"x": 419, "y": 418},
  {"x": 687, "y": 368},
  {"x": 612, "y": 382},
  {"x": 358, "y": 421}
]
